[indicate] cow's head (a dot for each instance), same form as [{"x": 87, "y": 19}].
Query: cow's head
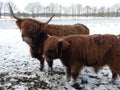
[
  {"x": 54, "y": 47},
  {"x": 31, "y": 29}
]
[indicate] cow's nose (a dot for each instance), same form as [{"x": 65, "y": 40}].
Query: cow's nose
[{"x": 27, "y": 40}]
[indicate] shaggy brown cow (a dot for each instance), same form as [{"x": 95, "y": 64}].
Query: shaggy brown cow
[
  {"x": 34, "y": 33},
  {"x": 77, "y": 51}
]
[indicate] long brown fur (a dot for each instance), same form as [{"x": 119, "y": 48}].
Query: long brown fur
[
  {"x": 34, "y": 33},
  {"x": 77, "y": 51},
  {"x": 37, "y": 33}
]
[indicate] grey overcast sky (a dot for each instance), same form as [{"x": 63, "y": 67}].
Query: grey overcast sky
[{"x": 97, "y": 3}]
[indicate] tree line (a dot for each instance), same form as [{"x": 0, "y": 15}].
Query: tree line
[{"x": 35, "y": 9}]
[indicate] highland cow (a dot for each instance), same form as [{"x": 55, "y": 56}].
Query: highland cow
[
  {"x": 77, "y": 51},
  {"x": 34, "y": 33}
]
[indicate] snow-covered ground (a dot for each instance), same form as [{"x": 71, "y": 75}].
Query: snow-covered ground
[{"x": 18, "y": 71}]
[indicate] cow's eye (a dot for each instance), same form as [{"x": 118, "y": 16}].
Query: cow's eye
[{"x": 49, "y": 51}]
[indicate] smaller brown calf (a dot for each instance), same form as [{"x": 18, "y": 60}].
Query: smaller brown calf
[{"x": 78, "y": 51}]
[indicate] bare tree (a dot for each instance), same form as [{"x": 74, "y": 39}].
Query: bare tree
[
  {"x": 51, "y": 8},
  {"x": 60, "y": 9},
  {"x": 66, "y": 11},
  {"x": 1, "y": 4},
  {"x": 87, "y": 10},
  {"x": 108, "y": 14},
  {"x": 94, "y": 11},
  {"x": 116, "y": 9},
  {"x": 78, "y": 8},
  {"x": 73, "y": 10},
  {"x": 34, "y": 8},
  {"x": 118, "y": 12},
  {"x": 101, "y": 11}
]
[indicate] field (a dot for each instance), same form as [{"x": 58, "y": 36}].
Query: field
[{"x": 18, "y": 71}]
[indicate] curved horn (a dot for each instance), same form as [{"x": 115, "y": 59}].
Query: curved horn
[
  {"x": 50, "y": 19},
  {"x": 11, "y": 11}
]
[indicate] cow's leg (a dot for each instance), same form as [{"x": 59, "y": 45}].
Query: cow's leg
[
  {"x": 114, "y": 71},
  {"x": 75, "y": 69},
  {"x": 41, "y": 59},
  {"x": 74, "y": 77},
  {"x": 74, "y": 74},
  {"x": 68, "y": 74},
  {"x": 50, "y": 65},
  {"x": 38, "y": 55}
]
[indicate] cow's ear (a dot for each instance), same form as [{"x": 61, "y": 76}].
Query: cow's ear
[{"x": 62, "y": 45}]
